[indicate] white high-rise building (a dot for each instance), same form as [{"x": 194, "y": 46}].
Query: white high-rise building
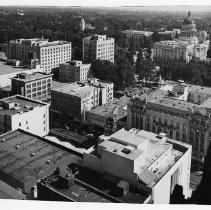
[
  {"x": 98, "y": 47},
  {"x": 40, "y": 51},
  {"x": 18, "y": 112}
]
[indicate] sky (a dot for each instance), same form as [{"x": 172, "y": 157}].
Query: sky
[{"x": 109, "y": 3}]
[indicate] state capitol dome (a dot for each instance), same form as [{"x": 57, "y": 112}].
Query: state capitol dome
[{"x": 189, "y": 19}]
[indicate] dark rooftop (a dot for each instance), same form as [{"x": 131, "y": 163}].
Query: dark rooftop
[
  {"x": 26, "y": 158},
  {"x": 101, "y": 183},
  {"x": 74, "y": 191}
]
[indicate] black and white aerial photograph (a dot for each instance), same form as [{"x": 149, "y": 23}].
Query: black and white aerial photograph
[{"x": 105, "y": 104}]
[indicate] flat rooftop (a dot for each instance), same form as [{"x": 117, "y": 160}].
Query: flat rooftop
[
  {"x": 154, "y": 149},
  {"x": 31, "y": 77},
  {"x": 117, "y": 148},
  {"x": 154, "y": 95},
  {"x": 199, "y": 89},
  {"x": 173, "y": 103},
  {"x": 75, "y": 191},
  {"x": 106, "y": 109},
  {"x": 192, "y": 88},
  {"x": 7, "y": 69},
  {"x": 20, "y": 165},
  {"x": 128, "y": 138},
  {"x": 56, "y": 43},
  {"x": 107, "y": 184},
  {"x": 56, "y": 84},
  {"x": 22, "y": 103},
  {"x": 75, "y": 89},
  {"x": 174, "y": 44}
]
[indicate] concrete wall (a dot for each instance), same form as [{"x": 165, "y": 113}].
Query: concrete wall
[
  {"x": 11, "y": 192},
  {"x": 32, "y": 121}
]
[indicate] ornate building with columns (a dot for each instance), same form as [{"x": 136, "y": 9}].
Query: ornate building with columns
[
  {"x": 190, "y": 44},
  {"x": 180, "y": 110}
]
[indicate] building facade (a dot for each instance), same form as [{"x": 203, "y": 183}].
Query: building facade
[
  {"x": 18, "y": 112},
  {"x": 74, "y": 71},
  {"x": 76, "y": 98},
  {"x": 82, "y": 24},
  {"x": 149, "y": 162},
  {"x": 136, "y": 34},
  {"x": 40, "y": 51},
  {"x": 36, "y": 86},
  {"x": 179, "y": 110},
  {"x": 98, "y": 47},
  {"x": 110, "y": 117},
  {"x": 189, "y": 45}
]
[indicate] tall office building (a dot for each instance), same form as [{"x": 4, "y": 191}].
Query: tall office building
[
  {"x": 73, "y": 71},
  {"x": 24, "y": 113},
  {"x": 98, "y": 47},
  {"x": 36, "y": 86},
  {"x": 40, "y": 51}
]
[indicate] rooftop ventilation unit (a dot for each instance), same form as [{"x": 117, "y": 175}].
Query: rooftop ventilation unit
[
  {"x": 123, "y": 186},
  {"x": 27, "y": 106},
  {"x": 17, "y": 147},
  {"x": 162, "y": 136},
  {"x": 127, "y": 149}
]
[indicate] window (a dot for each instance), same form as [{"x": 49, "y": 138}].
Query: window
[
  {"x": 159, "y": 120},
  {"x": 177, "y": 135},
  {"x": 184, "y": 127},
  {"x": 34, "y": 84},
  {"x": 19, "y": 123},
  {"x": 177, "y": 125},
  {"x": 183, "y": 137}
]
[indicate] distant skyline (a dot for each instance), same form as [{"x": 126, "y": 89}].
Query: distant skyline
[{"x": 108, "y": 3}]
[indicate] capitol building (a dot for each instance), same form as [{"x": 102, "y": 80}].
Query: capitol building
[{"x": 190, "y": 44}]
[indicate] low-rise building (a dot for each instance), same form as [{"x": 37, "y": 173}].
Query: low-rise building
[
  {"x": 9, "y": 71},
  {"x": 137, "y": 34},
  {"x": 26, "y": 158},
  {"x": 73, "y": 71},
  {"x": 110, "y": 116},
  {"x": 24, "y": 113},
  {"x": 98, "y": 47},
  {"x": 36, "y": 85},
  {"x": 148, "y": 162},
  {"x": 78, "y": 185}
]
